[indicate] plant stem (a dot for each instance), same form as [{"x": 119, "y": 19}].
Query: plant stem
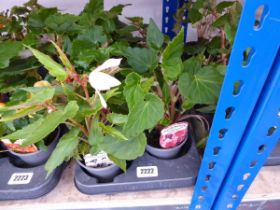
[
  {"x": 173, "y": 99},
  {"x": 84, "y": 140},
  {"x": 80, "y": 126},
  {"x": 223, "y": 46},
  {"x": 86, "y": 92}
]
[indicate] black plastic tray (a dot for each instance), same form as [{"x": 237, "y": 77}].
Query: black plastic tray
[
  {"x": 274, "y": 158},
  {"x": 175, "y": 173},
  {"x": 25, "y": 183}
]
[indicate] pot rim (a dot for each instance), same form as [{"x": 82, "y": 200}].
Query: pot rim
[
  {"x": 169, "y": 149},
  {"x": 96, "y": 169},
  {"x": 39, "y": 151}
]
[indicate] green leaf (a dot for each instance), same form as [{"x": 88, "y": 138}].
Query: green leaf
[
  {"x": 125, "y": 150},
  {"x": 194, "y": 16},
  {"x": 22, "y": 133},
  {"x": 223, "y": 5},
  {"x": 41, "y": 145},
  {"x": 144, "y": 115},
  {"x": 230, "y": 32},
  {"x": 64, "y": 150},
  {"x": 118, "y": 162},
  {"x": 20, "y": 113},
  {"x": 8, "y": 50},
  {"x": 63, "y": 57},
  {"x": 42, "y": 127},
  {"x": 117, "y": 10},
  {"x": 54, "y": 68},
  {"x": 154, "y": 36},
  {"x": 147, "y": 84},
  {"x": 187, "y": 105},
  {"x": 172, "y": 68},
  {"x": 93, "y": 35},
  {"x": 19, "y": 67},
  {"x": 192, "y": 65},
  {"x": 117, "y": 119},
  {"x": 36, "y": 20},
  {"x": 94, "y": 6},
  {"x": 38, "y": 95},
  {"x": 132, "y": 90},
  {"x": 95, "y": 133},
  {"x": 202, "y": 87},
  {"x": 141, "y": 59},
  {"x": 171, "y": 56},
  {"x": 221, "y": 21},
  {"x": 113, "y": 132},
  {"x": 62, "y": 23}
]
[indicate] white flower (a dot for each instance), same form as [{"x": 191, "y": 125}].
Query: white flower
[
  {"x": 110, "y": 63},
  {"x": 101, "y": 81}
]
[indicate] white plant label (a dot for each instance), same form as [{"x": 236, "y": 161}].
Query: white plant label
[
  {"x": 20, "y": 178},
  {"x": 147, "y": 171}
]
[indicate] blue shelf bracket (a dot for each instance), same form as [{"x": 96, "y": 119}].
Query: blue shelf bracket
[
  {"x": 169, "y": 9},
  {"x": 244, "y": 111}
]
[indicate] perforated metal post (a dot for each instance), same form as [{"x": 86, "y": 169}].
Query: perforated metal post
[
  {"x": 169, "y": 8},
  {"x": 259, "y": 140},
  {"x": 252, "y": 58}
]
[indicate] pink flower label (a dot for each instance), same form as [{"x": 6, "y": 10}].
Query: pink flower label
[{"x": 173, "y": 135}]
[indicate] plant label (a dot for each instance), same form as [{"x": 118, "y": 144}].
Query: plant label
[
  {"x": 20, "y": 178},
  {"x": 146, "y": 171},
  {"x": 173, "y": 135}
]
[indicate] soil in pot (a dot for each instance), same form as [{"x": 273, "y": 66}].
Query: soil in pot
[{"x": 26, "y": 160}]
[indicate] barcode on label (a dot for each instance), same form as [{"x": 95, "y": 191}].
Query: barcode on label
[
  {"x": 147, "y": 171},
  {"x": 20, "y": 178}
]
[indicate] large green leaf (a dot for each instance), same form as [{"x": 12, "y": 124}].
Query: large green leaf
[
  {"x": 36, "y": 20},
  {"x": 41, "y": 128},
  {"x": 125, "y": 150},
  {"x": 62, "y": 23},
  {"x": 117, "y": 119},
  {"x": 95, "y": 134},
  {"x": 93, "y": 35},
  {"x": 38, "y": 95},
  {"x": 20, "y": 113},
  {"x": 133, "y": 91},
  {"x": 192, "y": 65},
  {"x": 113, "y": 132},
  {"x": 223, "y": 5},
  {"x": 19, "y": 67},
  {"x": 54, "y": 68},
  {"x": 144, "y": 115},
  {"x": 141, "y": 59},
  {"x": 201, "y": 87},
  {"x": 154, "y": 36},
  {"x": 8, "y": 50},
  {"x": 171, "y": 57},
  {"x": 172, "y": 68},
  {"x": 64, "y": 149},
  {"x": 94, "y": 6}
]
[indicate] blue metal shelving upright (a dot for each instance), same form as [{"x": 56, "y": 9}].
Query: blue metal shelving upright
[
  {"x": 169, "y": 8},
  {"x": 246, "y": 124}
]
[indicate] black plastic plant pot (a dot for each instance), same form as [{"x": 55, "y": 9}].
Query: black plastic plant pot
[
  {"x": 102, "y": 174},
  {"x": 165, "y": 153},
  {"x": 35, "y": 158}
]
